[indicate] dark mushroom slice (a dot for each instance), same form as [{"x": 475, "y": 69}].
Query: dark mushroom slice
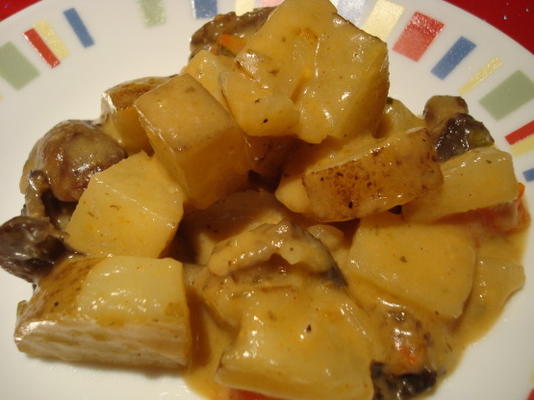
[
  {"x": 401, "y": 387},
  {"x": 68, "y": 155},
  {"x": 440, "y": 108},
  {"x": 29, "y": 247},
  {"x": 453, "y": 130},
  {"x": 460, "y": 134},
  {"x": 239, "y": 25}
]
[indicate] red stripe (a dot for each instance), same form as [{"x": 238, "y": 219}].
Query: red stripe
[
  {"x": 10, "y": 7},
  {"x": 37, "y": 42},
  {"x": 520, "y": 134},
  {"x": 417, "y": 36},
  {"x": 531, "y": 395}
]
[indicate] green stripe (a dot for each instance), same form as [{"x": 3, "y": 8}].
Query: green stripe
[
  {"x": 154, "y": 12},
  {"x": 511, "y": 94},
  {"x": 15, "y": 68}
]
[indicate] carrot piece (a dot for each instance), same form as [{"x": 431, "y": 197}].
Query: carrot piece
[{"x": 232, "y": 43}]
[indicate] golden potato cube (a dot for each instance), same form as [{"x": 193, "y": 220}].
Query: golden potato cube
[
  {"x": 292, "y": 194},
  {"x": 280, "y": 54},
  {"x": 371, "y": 176},
  {"x": 257, "y": 110},
  {"x": 120, "y": 118},
  {"x": 195, "y": 138},
  {"x": 300, "y": 343},
  {"x": 397, "y": 118},
  {"x": 349, "y": 87},
  {"x": 132, "y": 209},
  {"x": 479, "y": 178},
  {"x": 432, "y": 266},
  {"x": 118, "y": 310},
  {"x": 206, "y": 68}
]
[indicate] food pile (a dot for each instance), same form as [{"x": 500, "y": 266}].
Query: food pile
[{"x": 269, "y": 221}]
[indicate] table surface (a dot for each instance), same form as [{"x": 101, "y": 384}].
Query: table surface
[{"x": 513, "y": 17}]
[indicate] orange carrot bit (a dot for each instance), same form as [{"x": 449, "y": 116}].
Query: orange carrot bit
[
  {"x": 232, "y": 43},
  {"x": 520, "y": 190}
]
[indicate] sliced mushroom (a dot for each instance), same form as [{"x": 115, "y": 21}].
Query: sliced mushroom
[
  {"x": 29, "y": 247},
  {"x": 288, "y": 240},
  {"x": 68, "y": 155}
]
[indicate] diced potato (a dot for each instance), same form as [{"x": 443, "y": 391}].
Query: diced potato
[
  {"x": 120, "y": 118},
  {"x": 280, "y": 54},
  {"x": 206, "y": 68},
  {"x": 292, "y": 193},
  {"x": 397, "y": 118},
  {"x": 257, "y": 110},
  {"x": 336, "y": 74},
  {"x": 431, "y": 266},
  {"x": 236, "y": 213},
  {"x": 132, "y": 208},
  {"x": 118, "y": 310},
  {"x": 371, "y": 176},
  {"x": 300, "y": 343},
  {"x": 349, "y": 87},
  {"x": 480, "y": 178},
  {"x": 186, "y": 124}
]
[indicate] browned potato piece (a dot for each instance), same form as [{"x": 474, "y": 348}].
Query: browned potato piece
[
  {"x": 128, "y": 311},
  {"x": 377, "y": 176},
  {"x": 120, "y": 118}
]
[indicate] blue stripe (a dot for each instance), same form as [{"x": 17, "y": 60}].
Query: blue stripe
[
  {"x": 351, "y": 10},
  {"x": 79, "y": 27},
  {"x": 453, "y": 57},
  {"x": 205, "y": 8},
  {"x": 529, "y": 174}
]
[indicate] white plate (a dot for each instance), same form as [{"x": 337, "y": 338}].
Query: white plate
[{"x": 126, "y": 46}]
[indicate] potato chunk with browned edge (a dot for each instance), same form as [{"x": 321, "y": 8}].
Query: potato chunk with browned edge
[
  {"x": 119, "y": 310},
  {"x": 378, "y": 176},
  {"x": 185, "y": 124},
  {"x": 120, "y": 118},
  {"x": 131, "y": 209}
]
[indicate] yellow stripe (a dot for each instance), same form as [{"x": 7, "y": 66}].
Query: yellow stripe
[
  {"x": 481, "y": 74},
  {"x": 523, "y": 146},
  {"x": 383, "y": 18},
  {"x": 51, "y": 39},
  {"x": 243, "y": 6}
]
